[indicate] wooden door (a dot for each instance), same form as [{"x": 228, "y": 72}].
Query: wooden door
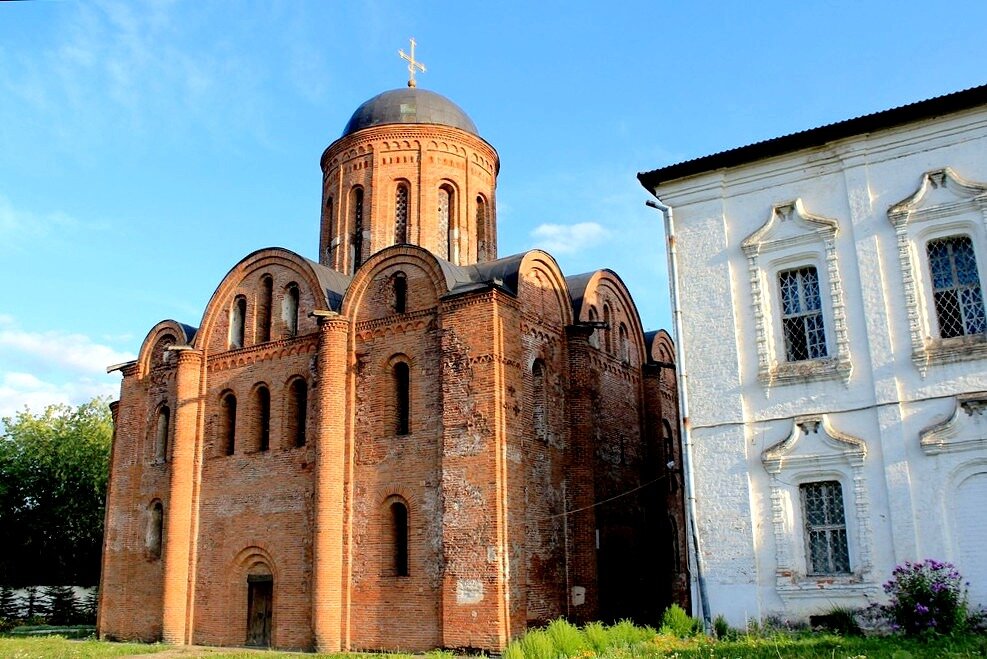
[{"x": 260, "y": 600}]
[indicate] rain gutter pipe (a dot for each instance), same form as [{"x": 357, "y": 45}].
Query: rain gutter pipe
[{"x": 682, "y": 380}]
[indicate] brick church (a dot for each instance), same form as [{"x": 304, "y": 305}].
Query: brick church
[{"x": 410, "y": 443}]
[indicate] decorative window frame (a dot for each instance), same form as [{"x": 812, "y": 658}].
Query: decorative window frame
[
  {"x": 815, "y": 451},
  {"x": 793, "y": 238},
  {"x": 944, "y": 205},
  {"x": 964, "y": 430}
]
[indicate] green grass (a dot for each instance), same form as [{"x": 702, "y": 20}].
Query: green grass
[
  {"x": 29, "y": 647},
  {"x": 540, "y": 644}
]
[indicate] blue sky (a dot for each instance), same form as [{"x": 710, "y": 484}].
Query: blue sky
[{"x": 145, "y": 148}]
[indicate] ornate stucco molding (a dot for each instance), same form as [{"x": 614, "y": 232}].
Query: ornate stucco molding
[
  {"x": 815, "y": 450},
  {"x": 964, "y": 430},
  {"x": 788, "y": 229},
  {"x": 942, "y": 196}
]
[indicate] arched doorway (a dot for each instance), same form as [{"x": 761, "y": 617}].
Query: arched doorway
[{"x": 260, "y": 607}]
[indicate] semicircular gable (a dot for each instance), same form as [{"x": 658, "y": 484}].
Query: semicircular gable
[
  {"x": 606, "y": 287},
  {"x": 542, "y": 286},
  {"x": 662, "y": 348},
  {"x": 285, "y": 267},
  {"x": 369, "y": 294},
  {"x": 165, "y": 334}
]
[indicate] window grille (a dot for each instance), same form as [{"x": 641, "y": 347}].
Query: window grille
[
  {"x": 481, "y": 229},
  {"x": 825, "y": 528},
  {"x": 401, "y": 215},
  {"x": 445, "y": 204},
  {"x": 802, "y": 319},
  {"x": 956, "y": 287},
  {"x": 357, "y": 228}
]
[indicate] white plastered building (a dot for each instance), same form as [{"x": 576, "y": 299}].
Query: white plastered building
[{"x": 828, "y": 293}]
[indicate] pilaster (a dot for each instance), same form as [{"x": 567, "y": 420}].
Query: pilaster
[
  {"x": 178, "y": 513},
  {"x": 328, "y": 588}
]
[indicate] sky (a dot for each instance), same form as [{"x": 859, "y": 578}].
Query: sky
[{"x": 146, "y": 147}]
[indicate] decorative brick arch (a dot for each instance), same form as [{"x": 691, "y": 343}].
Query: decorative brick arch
[
  {"x": 264, "y": 260},
  {"x": 606, "y": 286},
  {"x": 181, "y": 335},
  {"x": 543, "y": 265},
  {"x": 663, "y": 348},
  {"x": 398, "y": 255}
]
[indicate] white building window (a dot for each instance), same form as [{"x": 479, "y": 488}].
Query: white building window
[
  {"x": 825, "y": 528},
  {"x": 956, "y": 291},
  {"x": 820, "y": 513},
  {"x": 800, "y": 326},
  {"x": 802, "y": 316},
  {"x": 940, "y": 234}
]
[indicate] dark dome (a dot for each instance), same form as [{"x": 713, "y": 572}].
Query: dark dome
[{"x": 409, "y": 105}]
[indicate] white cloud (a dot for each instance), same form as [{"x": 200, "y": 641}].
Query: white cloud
[
  {"x": 17, "y": 225},
  {"x": 20, "y": 390},
  {"x": 569, "y": 238},
  {"x": 42, "y": 368}
]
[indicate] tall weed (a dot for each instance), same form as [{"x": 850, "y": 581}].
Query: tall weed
[{"x": 566, "y": 637}]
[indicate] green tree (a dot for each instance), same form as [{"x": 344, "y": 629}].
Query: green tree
[{"x": 53, "y": 473}]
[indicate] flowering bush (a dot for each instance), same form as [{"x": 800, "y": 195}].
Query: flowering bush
[{"x": 926, "y": 597}]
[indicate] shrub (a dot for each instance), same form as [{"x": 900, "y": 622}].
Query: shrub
[
  {"x": 625, "y": 634},
  {"x": 537, "y": 644},
  {"x": 566, "y": 637},
  {"x": 596, "y": 636},
  {"x": 513, "y": 650},
  {"x": 721, "y": 627},
  {"x": 926, "y": 597},
  {"x": 677, "y": 622}
]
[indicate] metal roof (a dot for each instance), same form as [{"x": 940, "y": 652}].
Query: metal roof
[
  {"x": 409, "y": 105},
  {"x": 927, "y": 109}
]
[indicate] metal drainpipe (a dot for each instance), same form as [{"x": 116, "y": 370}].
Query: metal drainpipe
[{"x": 681, "y": 380}]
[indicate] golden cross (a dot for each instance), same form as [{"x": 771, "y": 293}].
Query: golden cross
[{"x": 412, "y": 64}]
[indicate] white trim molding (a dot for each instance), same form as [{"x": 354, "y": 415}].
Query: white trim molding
[
  {"x": 788, "y": 231},
  {"x": 964, "y": 430},
  {"x": 943, "y": 197},
  {"x": 815, "y": 451}
]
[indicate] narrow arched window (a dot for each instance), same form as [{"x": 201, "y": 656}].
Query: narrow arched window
[
  {"x": 625, "y": 346},
  {"x": 227, "y": 423},
  {"x": 401, "y": 214},
  {"x": 670, "y": 455},
  {"x": 400, "y": 292},
  {"x": 357, "y": 228},
  {"x": 238, "y": 317},
  {"x": 289, "y": 309},
  {"x": 402, "y": 398},
  {"x": 608, "y": 330},
  {"x": 155, "y": 530},
  {"x": 297, "y": 412},
  {"x": 594, "y": 338},
  {"x": 481, "y": 228},
  {"x": 329, "y": 226},
  {"x": 444, "y": 226},
  {"x": 399, "y": 533},
  {"x": 262, "y": 408},
  {"x": 161, "y": 431},
  {"x": 538, "y": 399},
  {"x": 265, "y": 311}
]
